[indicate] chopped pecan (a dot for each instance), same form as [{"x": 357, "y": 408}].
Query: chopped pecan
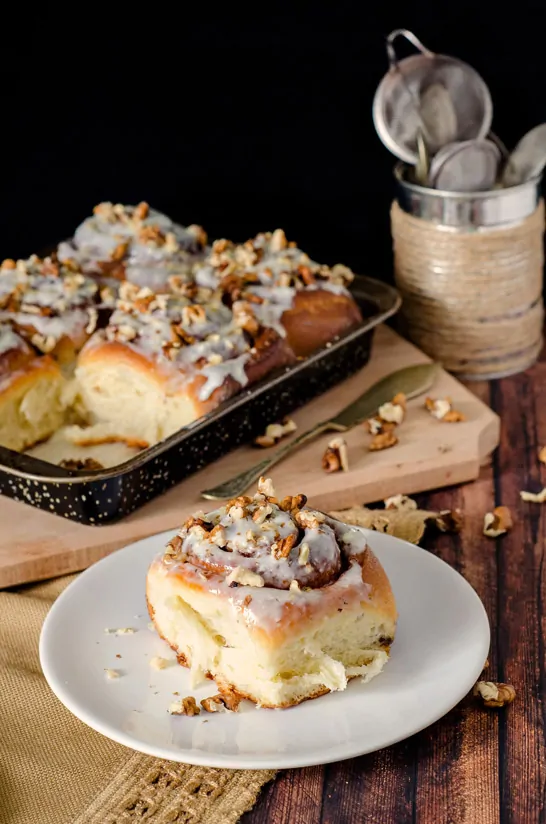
[
  {"x": 394, "y": 411},
  {"x": 306, "y": 275},
  {"x": 449, "y": 520},
  {"x": 495, "y": 694},
  {"x": 278, "y": 241},
  {"x": 230, "y": 698},
  {"x": 384, "y": 440},
  {"x": 142, "y": 210},
  {"x": 265, "y": 487},
  {"x": 152, "y": 235},
  {"x": 293, "y": 502},
  {"x": 77, "y": 464},
  {"x": 186, "y": 706},
  {"x": 336, "y": 457},
  {"x": 442, "y": 410},
  {"x": 497, "y": 522},
  {"x": 193, "y": 521},
  {"x": 282, "y": 547},
  {"x": 215, "y": 703},
  {"x": 275, "y": 432},
  {"x": 119, "y": 251},
  {"x": 193, "y": 314},
  {"x": 400, "y": 502},
  {"x": 376, "y": 426}
]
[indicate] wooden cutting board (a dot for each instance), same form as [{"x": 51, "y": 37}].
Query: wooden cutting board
[{"x": 35, "y": 545}]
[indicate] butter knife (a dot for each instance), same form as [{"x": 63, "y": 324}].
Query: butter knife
[{"x": 412, "y": 381}]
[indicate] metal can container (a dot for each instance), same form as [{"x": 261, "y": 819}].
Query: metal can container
[{"x": 469, "y": 267}]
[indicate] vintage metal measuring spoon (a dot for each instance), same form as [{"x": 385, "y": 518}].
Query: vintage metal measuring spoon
[
  {"x": 528, "y": 158},
  {"x": 398, "y": 101},
  {"x": 465, "y": 166}
]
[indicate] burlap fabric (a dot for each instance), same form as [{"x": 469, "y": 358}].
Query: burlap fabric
[
  {"x": 472, "y": 300},
  {"x": 55, "y": 770}
]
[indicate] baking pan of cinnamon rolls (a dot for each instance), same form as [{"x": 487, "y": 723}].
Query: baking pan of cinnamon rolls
[{"x": 140, "y": 332}]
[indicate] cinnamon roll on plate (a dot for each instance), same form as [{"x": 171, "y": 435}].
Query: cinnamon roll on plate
[{"x": 276, "y": 602}]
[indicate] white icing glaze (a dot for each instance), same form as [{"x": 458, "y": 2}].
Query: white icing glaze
[
  {"x": 9, "y": 339},
  {"x": 333, "y": 567},
  {"x": 46, "y": 297},
  {"x": 273, "y": 271},
  {"x": 185, "y": 338},
  {"x": 155, "y": 247},
  {"x": 240, "y": 535}
]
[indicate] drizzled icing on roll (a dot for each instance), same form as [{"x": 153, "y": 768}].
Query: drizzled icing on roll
[
  {"x": 191, "y": 330},
  {"x": 264, "y": 542},
  {"x": 47, "y": 301},
  {"x": 134, "y": 242},
  {"x": 268, "y": 271}
]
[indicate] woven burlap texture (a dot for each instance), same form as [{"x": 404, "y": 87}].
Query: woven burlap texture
[
  {"x": 56, "y": 770},
  {"x": 471, "y": 300}
]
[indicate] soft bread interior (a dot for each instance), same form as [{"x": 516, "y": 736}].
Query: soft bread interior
[
  {"x": 321, "y": 655},
  {"x": 32, "y": 406},
  {"x": 132, "y": 401}
]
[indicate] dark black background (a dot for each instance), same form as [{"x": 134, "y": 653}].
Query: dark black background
[{"x": 242, "y": 118}]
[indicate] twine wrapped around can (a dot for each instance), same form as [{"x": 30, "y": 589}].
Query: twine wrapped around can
[{"x": 472, "y": 300}]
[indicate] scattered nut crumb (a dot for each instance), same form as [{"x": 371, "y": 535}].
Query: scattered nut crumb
[
  {"x": 384, "y": 440},
  {"x": 394, "y": 411},
  {"x": 78, "y": 464},
  {"x": 275, "y": 432},
  {"x": 336, "y": 457},
  {"x": 230, "y": 699},
  {"x": 294, "y": 586},
  {"x": 121, "y": 631},
  {"x": 493, "y": 694},
  {"x": 118, "y": 655},
  {"x": 400, "y": 502},
  {"x": 215, "y": 703},
  {"x": 159, "y": 663},
  {"x": 497, "y": 522},
  {"x": 449, "y": 520},
  {"x": 534, "y": 497},
  {"x": 186, "y": 706},
  {"x": 442, "y": 410},
  {"x": 265, "y": 487},
  {"x": 112, "y": 673}
]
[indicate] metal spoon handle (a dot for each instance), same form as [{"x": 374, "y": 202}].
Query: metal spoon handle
[{"x": 237, "y": 485}]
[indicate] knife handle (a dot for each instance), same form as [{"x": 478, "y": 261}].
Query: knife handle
[{"x": 237, "y": 485}]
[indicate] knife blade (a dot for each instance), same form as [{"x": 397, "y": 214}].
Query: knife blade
[{"x": 411, "y": 380}]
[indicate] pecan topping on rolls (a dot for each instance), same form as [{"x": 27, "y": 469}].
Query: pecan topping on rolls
[
  {"x": 46, "y": 301},
  {"x": 261, "y": 542}
]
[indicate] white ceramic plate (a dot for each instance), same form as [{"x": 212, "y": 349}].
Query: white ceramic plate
[{"x": 439, "y": 652}]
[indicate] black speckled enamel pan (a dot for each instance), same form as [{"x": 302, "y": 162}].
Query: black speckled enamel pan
[{"x": 106, "y": 495}]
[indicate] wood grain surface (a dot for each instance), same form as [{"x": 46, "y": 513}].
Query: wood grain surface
[{"x": 475, "y": 766}]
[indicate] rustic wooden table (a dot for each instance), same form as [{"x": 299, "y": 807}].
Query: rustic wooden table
[{"x": 475, "y": 766}]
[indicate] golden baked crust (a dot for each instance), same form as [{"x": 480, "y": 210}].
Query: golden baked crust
[
  {"x": 275, "y": 601},
  {"x": 316, "y": 318}
]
